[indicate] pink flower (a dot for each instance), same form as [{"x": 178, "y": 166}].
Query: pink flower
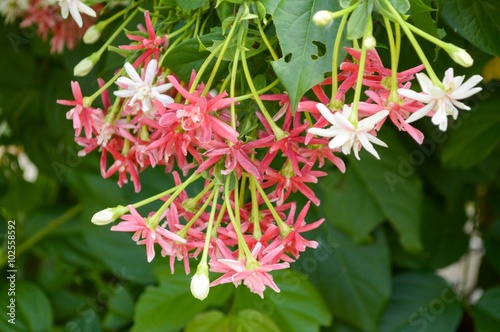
[
  {"x": 144, "y": 234},
  {"x": 254, "y": 273},
  {"x": 287, "y": 181},
  {"x": 197, "y": 117},
  {"x": 151, "y": 46},
  {"x": 398, "y": 111},
  {"x": 83, "y": 117}
]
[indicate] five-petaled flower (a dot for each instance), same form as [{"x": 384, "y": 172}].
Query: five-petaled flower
[
  {"x": 348, "y": 135},
  {"x": 443, "y": 101}
]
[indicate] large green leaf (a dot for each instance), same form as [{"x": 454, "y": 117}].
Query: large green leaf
[
  {"x": 475, "y": 136},
  {"x": 25, "y": 307},
  {"x": 247, "y": 320},
  {"x": 476, "y": 21},
  {"x": 373, "y": 190},
  {"x": 421, "y": 302},
  {"x": 287, "y": 308},
  {"x": 486, "y": 311},
  {"x": 304, "y": 62},
  {"x": 354, "y": 279},
  {"x": 170, "y": 305}
]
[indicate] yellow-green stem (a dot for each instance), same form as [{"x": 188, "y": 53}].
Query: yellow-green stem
[
  {"x": 185, "y": 229},
  {"x": 284, "y": 228},
  {"x": 335, "y": 57},
  {"x": 210, "y": 223}
]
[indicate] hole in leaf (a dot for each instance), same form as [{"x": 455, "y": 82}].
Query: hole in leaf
[
  {"x": 288, "y": 57},
  {"x": 256, "y": 45},
  {"x": 321, "y": 50}
]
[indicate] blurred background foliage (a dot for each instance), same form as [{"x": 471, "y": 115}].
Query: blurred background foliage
[{"x": 393, "y": 227}]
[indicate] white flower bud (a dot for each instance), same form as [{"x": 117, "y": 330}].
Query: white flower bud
[
  {"x": 83, "y": 67},
  {"x": 200, "y": 283},
  {"x": 460, "y": 56},
  {"x": 92, "y": 34},
  {"x": 369, "y": 43},
  {"x": 108, "y": 215},
  {"x": 323, "y": 18}
]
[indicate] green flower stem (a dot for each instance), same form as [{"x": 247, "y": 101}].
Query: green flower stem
[
  {"x": 49, "y": 228},
  {"x": 284, "y": 228},
  {"x": 359, "y": 81},
  {"x": 243, "y": 251},
  {"x": 278, "y": 132},
  {"x": 394, "y": 61},
  {"x": 87, "y": 101},
  {"x": 335, "y": 58},
  {"x": 185, "y": 229},
  {"x": 155, "y": 219},
  {"x": 154, "y": 198},
  {"x": 266, "y": 41},
  {"x": 232, "y": 87},
  {"x": 257, "y": 232},
  {"x": 221, "y": 55},
  {"x": 215, "y": 193},
  {"x": 203, "y": 67},
  {"x": 259, "y": 92},
  {"x": 219, "y": 219},
  {"x": 394, "y": 15}
]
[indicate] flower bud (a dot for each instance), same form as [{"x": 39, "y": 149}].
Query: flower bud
[
  {"x": 85, "y": 66},
  {"x": 459, "y": 55},
  {"x": 200, "y": 283},
  {"x": 323, "y": 18},
  {"x": 369, "y": 43},
  {"x": 108, "y": 215},
  {"x": 92, "y": 34}
]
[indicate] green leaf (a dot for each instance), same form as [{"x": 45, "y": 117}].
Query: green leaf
[
  {"x": 303, "y": 64},
  {"x": 486, "y": 313},
  {"x": 188, "y": 5},
  {"x": 359, "y": 20},
  {"x": 420, "y": 14},
  {"x": 402, "y": 6},
  {"x": 170, "y": 305},
  {"x": 286, "y": 308},
  {"x": 25, "y": 307},
  {"x": 338, "y": 268},
  {"x": 492, "y": 245},
  {"x": 421, "y": 301},
  {"x": 475, "y": 136},
  {"x": 120, "y": 309},
  {"x": 476, "y": 21},
  {"x": 270, "y": 5},
  {"x": 374, "y": 190}
]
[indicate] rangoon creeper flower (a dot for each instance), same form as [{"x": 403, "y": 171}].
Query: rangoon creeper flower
[
  {"x": 75, "y": 7},
  {"x": 142, "y": 91},
  {"x": 347, "y": 135},
  {"x": 443, "y": 101}
]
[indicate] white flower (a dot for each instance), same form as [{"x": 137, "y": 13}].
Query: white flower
[
  {"x": 200, "y": 283},
  {"x": 142, "y": 92},
  {"x": 348, "y": 136},
  {"x": 75, "y": 7},
  {"x": 443, "y": 102},
  {"x": 13, "y": 9}
]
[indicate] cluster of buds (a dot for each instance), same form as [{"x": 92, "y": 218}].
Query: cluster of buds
[{"x": 243, "y": 223}]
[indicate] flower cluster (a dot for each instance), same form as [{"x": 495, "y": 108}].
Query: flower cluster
[
  {"x": 49, "y": 19},
  {"x": 253, "y": 152}
]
